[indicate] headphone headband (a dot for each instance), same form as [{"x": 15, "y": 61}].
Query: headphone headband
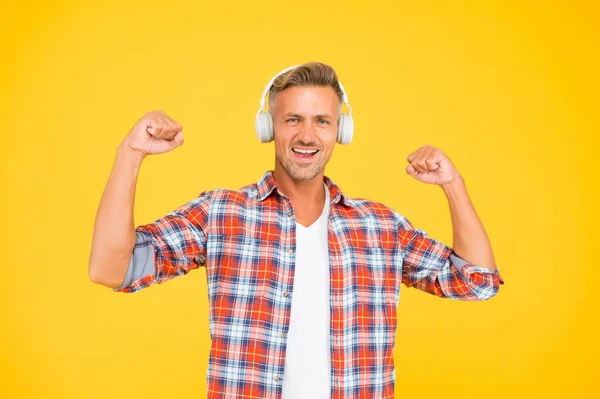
[{"x": 268, "y": 88}]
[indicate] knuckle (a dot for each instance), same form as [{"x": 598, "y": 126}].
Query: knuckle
[
  {"x": 153, "y": 115},
  {"x": 155, "y": 112}
]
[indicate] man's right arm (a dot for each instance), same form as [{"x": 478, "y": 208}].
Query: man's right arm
[
  {"x": 114, "y": 236},
  {"x": 114, "y": 230}
]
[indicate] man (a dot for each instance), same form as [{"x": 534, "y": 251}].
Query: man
[{"x": 303, "y": 281}]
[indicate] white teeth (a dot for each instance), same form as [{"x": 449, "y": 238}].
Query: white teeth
[{"x": 304, "y": 151}]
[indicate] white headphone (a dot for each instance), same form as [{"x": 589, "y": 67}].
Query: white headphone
[{"x": 264, "y": 120}]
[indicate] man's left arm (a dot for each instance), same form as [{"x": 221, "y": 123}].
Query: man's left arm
[
  {"x": 471, "y": 254},
  {"x": 470, "y": 240}
]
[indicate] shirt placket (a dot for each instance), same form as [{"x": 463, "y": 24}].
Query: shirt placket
[
  {"x": 336, "y": 309},
  {"x": 285, "y": 281}
]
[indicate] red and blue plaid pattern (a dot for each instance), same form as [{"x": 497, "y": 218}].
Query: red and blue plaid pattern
[{"x": 246, "y": 241}]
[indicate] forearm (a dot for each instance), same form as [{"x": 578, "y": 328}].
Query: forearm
[
  {"x": 470, "y": 240},
  {"x": 114, "y": 230}
]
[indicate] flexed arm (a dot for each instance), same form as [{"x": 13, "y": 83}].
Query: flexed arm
[
  {"x": 470, "y": 241},
  {"x": 114, "y": 235},
  {"x": 465, "y": 271}
]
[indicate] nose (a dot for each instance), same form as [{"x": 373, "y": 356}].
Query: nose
[{"x": 308, "y": 133}]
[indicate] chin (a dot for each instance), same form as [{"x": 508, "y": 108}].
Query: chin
[
  {"x": 303, "y": 174},
  {"x": 297, "y": 172}
]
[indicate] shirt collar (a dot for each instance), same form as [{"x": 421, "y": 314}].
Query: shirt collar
[{"x": 267, "y": 184}]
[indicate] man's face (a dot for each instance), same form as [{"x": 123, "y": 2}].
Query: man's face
[{"x": 305, "y": 126}]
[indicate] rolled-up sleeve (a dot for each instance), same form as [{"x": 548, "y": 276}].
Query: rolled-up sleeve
[
  {"x": 433, "y": 267},
  {"x": 168, "y": 247},
  {"x": 141, "y": 263}
]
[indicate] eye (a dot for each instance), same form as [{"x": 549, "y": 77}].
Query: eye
[
  {"x": 323, "y": 120},
  {"x": 291, "y": 120}
]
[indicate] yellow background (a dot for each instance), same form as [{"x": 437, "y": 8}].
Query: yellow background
[{"x": 509, "y": 90}]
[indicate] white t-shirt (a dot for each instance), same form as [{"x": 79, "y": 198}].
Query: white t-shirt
[{"x": 307, "y": 359}]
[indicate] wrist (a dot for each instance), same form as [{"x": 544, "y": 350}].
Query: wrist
[
  {"x": 124, "y": 150},
  {"x": 128, "y": 159},
  {"x": 457, "y": 183}
]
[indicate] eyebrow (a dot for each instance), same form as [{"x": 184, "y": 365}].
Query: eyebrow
[{"x": 300, "y": 116}]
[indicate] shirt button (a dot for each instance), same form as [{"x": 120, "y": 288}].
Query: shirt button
[
  {"x": 289, "y": 213},
  {"x": 286, "y": 294},
  {"x": 281, "y": 334},
  {"x": 290, "y": 251},
  {"x": 277, "y": 378}
]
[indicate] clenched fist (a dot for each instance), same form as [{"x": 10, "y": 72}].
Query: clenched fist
[
  {"x": 155, "y": 133},
  {"x": 430, "y": 165}
]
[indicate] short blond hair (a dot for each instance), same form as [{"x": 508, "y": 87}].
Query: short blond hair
[{"x": 308, "y": 74}]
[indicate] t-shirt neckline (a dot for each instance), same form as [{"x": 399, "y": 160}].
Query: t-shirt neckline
[{"x": 324, "y": 213}]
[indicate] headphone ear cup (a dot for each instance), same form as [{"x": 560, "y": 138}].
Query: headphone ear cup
[
  {"x": 345, "y": 129},
  {"x": 264, "y": 127}
]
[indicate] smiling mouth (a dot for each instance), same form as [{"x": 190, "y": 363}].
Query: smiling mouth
[
  {"x": 304, "y": 154},
  {"x": 305, "y": 151}
]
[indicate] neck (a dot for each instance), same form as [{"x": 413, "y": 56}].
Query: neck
[{"x": 300, "y": 192}]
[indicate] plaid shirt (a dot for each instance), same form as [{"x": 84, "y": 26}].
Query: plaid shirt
[{"x": 246, "y": 241}]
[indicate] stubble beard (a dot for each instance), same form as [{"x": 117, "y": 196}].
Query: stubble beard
[{"x": 298, "y": 172}]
